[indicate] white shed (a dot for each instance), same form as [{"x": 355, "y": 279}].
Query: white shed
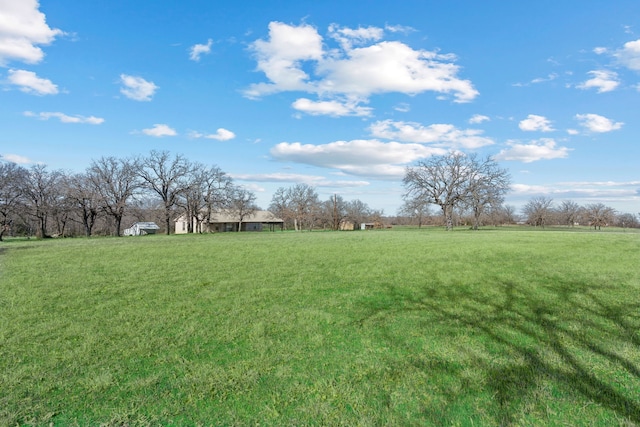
[{"x": 141, "y": 228}]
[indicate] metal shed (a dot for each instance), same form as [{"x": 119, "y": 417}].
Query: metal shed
[{"x": 141, "y": 228}]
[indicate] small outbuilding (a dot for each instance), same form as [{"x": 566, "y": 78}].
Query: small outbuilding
[{"x": 141, "y": 228}]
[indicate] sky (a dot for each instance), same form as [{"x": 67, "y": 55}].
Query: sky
[{"x": 339, "y": 95}]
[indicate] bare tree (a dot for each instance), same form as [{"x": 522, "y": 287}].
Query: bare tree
[
  {"x": 569, "y": 212},
  {"x": 358, "y": 212},
  {"x": 87, "y": 201},
  {"x": 299, "y": 204},
  {"x": 454, "y": 180},
  {"x": 41, "y": 189},
  {"x": 167, "y": 177},
  {"x": 242, "y": 205},
  {"x": 488, "y": 183},
  {"x": 538, "y": 211},
  {"x": 209, "y": 190},
  {"x": 599, "y": 215},
  {"x": 115, "y": 181},
  {"x": 417, "y": 209},
  {"x": 12, "y": 182}
]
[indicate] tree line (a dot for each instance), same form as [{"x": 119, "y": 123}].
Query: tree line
[
  {"x": 161, "y": 186},
  {"x": 157, "y": 187},
  {"x": 471, "y": 190},
  {"x": 44, "y": 202}
]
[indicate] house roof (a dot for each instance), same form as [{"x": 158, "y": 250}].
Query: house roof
[
  {"x": 226, "y": 216},
  {"x": 257, "y": 216},
  {"x": 146, "y": 225}
]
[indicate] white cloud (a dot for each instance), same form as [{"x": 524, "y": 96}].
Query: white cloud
[
  {"x": 358, "y": 157},
  {"x": 535, "y": 123},
  {"x": 544, "y": 149},
  {"x": 603, "y": 80},
  {"x": 15, "y": 158},
  {"x": 597, "y": 123},
  {"x": 348, "y": 37},
  {"x": 443, "y": 135},
  {"x": 629, "y": 55},
  {"x": 220, "y": 135},
  {"x": 159, "y": 130},
  {"x": 403, "y": 107},
  {"x": 600, "y": 50},
  {"x": 313, "y": 180},
  {"x": 197, "y": 50},
  {"x": 137, "y": 88},
  {"x": 279, "y": 58},
  {"x": 330, "y": 108},
  {"x": 573, "y": 131},
  {"x": 29, "y": 82},
  {"x": 22, "y": 28},
  {"x": 65, "y": 118},
  {"x": 549, "y": 78},
  {"x": 294, "y": 59},
  {"x": 479, "y": 118}
]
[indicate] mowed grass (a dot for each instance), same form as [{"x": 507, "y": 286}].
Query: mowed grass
[{"x": 394, "y": 327}]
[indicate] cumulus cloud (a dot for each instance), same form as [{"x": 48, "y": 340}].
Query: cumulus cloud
[
  {"x": 137, "y": 88},
  {"x": 66, "y": 118},
  {"x": 478, "y": 118},
  {"x": 535, "y": 123},
  {"x": 280, "y": 57},
  {"x": 603, "y": 81},
  {"x": 29, "y": 82},
  {"x": 294, "y": 58},
  {"x": 160, "y": 130},
  {"x": 197, "y": 50},
  {"x": 597, "y": 123},
  {"x": 358, "y": 157},
  {"x": 23, "y": 28},
  {"x": 443, "y": 135},
  {"x": 543, "y": 149},
  {"x": 330, "y": 108},
  {"x": 629, "y": 55},
  {"x": 220, "y": 135}
]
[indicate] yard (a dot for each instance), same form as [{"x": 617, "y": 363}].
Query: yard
[{"x": 389, "y": 327}]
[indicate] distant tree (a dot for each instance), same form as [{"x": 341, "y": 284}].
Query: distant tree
[
  {"x": 488, "y": 183},
  {"x": 569, "y": 212},
  {"x": 12, "y": 181},
  {"x": 332, "y": 212},
  {"x": 455, "y": 180},
  {"x": 538, "y": 211},
  {"x": 242, "y": 204},
  {"x": 209, "y": 190},
  {"x": 115, "y": 181},
  {"x": 41, "y": 189},
  {"x": 166, "y": 176},
  {"x": 82, "y": 193},
  {"x": 417, "y": 209},
  {"x": 299, "y": 204},
  {"x": 359, "y": 212},
  {"x": 599, "y": 215},
  {"x": 627, "y": 220}
]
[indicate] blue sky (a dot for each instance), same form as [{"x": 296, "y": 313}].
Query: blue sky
[{"x": 339, "y": 95}]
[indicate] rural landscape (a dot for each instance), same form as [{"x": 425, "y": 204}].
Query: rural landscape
[
  {"x": 295, "y": 213},
  {"x": 460, "y": 315}
]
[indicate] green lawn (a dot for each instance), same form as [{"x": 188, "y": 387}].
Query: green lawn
[{"x": 393, "y": 327}]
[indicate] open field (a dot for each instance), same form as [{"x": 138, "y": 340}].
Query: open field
[{"x": 393, "y": 327}]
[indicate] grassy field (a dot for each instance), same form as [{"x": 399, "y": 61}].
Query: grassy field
[{"x": 394, "y": 327}]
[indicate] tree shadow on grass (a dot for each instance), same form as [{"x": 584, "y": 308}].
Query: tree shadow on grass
[{"x": 567, "y": 334}]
